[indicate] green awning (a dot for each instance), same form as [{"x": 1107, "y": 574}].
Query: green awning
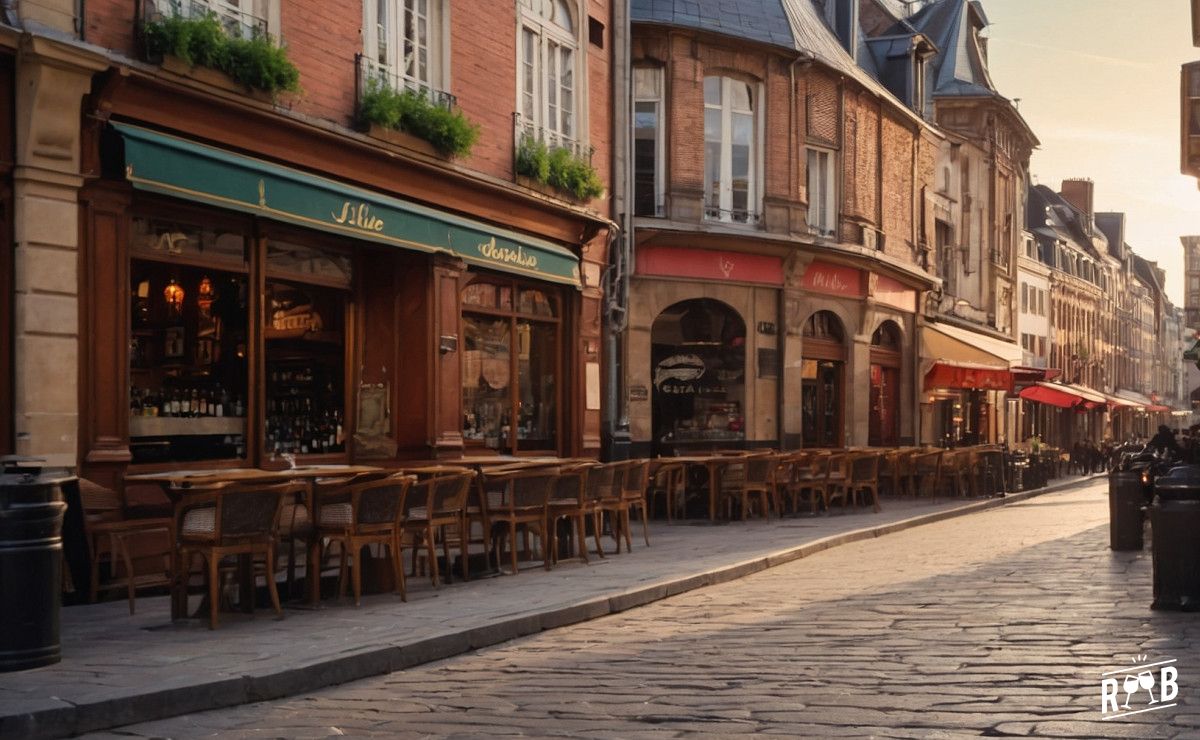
[{"x": 180, "y": 168}]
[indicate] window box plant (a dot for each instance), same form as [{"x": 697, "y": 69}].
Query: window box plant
[
  {"x": 557, "y": 168},
  {"x": 200, "y": 46},
  {"x": 399, "y": 115}
]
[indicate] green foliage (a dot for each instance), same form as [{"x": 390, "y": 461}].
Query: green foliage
[
  {"x": 255, "y": 62},
  {"x": 559, "y": 168},
  {"x": 449, "y": 131},
  {"x": 533, "y": 160}
]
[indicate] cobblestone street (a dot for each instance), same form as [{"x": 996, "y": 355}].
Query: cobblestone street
[{"x": 999, "y": 623}]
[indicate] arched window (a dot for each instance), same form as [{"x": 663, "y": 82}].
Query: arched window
[
  {"x": 548, "y": 89},
  {"x": 730, "y": 151}
]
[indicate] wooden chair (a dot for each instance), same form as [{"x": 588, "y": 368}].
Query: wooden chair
[
  {"x": 808, "y": 477},
  {"x": 927, "y": 473},
  {"x": 114, "y": 539},
  {"x": 637, "y": 473},
  {"x": 237, "y": 519},
  {"x": 837, "y": 479},
  {"x": 611, "y": 500},
  {"x": 755, "y": 484},
  {"x": 363, "y": 513},
  {"x": 669, "y": 484},
  {"x": 863, "y": 470},
  {"x": 433, "y": 506},
  {"x": 598, "y": 486},
  {"x": 569, "y": 500},
  {"x": 522, "y": 503}
]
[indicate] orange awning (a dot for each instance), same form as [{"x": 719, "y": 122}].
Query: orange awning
[{"x": 972, "y": 377}]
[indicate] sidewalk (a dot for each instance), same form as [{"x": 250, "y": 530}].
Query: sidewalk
[{"x": 118, "y": 669}]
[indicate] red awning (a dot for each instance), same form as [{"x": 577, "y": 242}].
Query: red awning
[
  {"x": 1050, "y": 396},
  {"x": 973, "y": 377}
]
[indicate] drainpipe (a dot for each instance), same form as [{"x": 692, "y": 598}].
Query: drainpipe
[{"x": 616, "y": 283}]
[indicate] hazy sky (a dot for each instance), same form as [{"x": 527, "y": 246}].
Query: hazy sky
[{"x": 1099, "y": 84}]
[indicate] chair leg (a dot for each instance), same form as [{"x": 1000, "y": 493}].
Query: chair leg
[
  {"x": 128, "y": 568},
  {"x": 272, "y": 590},
  {"x": 512, "y": 545},
  {"x": 446, "y": 555},
  {"x": 95, "y": 586},
  {"x": 596, "y": 526},
  {"x": 645, "y": 524},
  {"x": 356, "y": 565},
  {"x": 546, "y": 539},
  {"x": 214, "y": 590},
  {"x": 431, "y": 549},
  {"x": 626, "y": 528},
  {"x": 581, "y": 537},
  {"x": 464, "y": 546},
  {"x": 398, "y": 566},
  {"x": 342, "y": 546}
]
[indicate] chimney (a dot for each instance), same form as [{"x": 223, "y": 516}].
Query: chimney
[{"x": 1078, "y": 192}]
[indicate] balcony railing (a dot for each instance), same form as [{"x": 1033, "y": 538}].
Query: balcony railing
[
  {"x": 730, "y": 215},
  {"x": 237, "y": 22},
  {"x": 372, "y": 74},
  {"x": 526, "y": 130}
]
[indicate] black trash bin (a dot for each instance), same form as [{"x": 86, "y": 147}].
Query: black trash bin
[
  {"x": 1174, "y": 523},
  {"x": 31, "y": 517},
  {"x": 1126, "y": 498}
]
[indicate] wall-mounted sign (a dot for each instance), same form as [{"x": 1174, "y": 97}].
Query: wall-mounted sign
[
  {"x": 708, "y": 264},
  {"x": 639, "y": 393},
  {"x": 830, "y": 279},
  {"x": 768, "y": 363},
  {"x": 892, "y": 292},
  {"x": 766, "y": 327}
]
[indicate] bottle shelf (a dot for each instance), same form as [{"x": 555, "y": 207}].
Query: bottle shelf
[{"x": 174, "y": 426}]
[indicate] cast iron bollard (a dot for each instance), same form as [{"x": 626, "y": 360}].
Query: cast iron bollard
[
  {"x": 1174, "y": 522},
  {"x": 31, "y": 517},
  {"x": 1126, "y": 497}
]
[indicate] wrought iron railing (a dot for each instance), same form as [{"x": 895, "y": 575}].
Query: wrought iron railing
[
  {"x": 526, "y": 130},
  {"x": 236, "y": 21},
  {"x": 730, "y": 215},
  {"x": 373, "y": 75}
]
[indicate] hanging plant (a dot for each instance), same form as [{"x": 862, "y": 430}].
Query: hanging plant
[
  {"x": 449, "y": 131},
  {"x": 559, "y": 168}
]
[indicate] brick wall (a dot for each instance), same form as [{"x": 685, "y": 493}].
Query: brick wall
[
  {"x": 897, "y": 173},
  {"x": 323, "y": 37}
]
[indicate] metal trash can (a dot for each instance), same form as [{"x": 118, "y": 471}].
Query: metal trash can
[
  {"x": 1175, "y": 523},
  {"x": 1126, "y": 498},
  {"x": 31, "y": 517}
]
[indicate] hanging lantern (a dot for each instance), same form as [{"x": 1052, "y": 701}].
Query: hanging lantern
[
  {"x": 173, "y": 293},
  {"x": 205, "y": 297}
]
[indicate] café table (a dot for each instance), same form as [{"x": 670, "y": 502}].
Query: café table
[
  {"x": 714, "y": 464},
  {"x": 177, "y": 483}
]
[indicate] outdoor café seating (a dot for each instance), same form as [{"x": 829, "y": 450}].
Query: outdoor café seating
[
  {"x": 435, "y": 511},
  {"x": 361, "y": 513}
]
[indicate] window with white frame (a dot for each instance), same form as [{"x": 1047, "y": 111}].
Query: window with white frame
[
  {"x": 548, "y": 78},
  {"x": 822, "y": 181},
  {"x": 730, "y": 151},
  {"x": 241, "y": 18},
  {"x": 404, "y": 42},
  {"x": 648, "y": 175}
]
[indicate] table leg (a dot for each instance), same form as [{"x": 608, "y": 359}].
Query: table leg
[
  {"x": 312, "y": 571},
  {"x": 714, "y": 491}
]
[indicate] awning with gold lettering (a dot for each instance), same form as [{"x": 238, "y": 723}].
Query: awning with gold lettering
[{"x": 169, "y": 165}]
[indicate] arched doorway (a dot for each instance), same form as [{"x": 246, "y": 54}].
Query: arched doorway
[
  {"x": 698, "y": 369},
  {"x": 884, "y": 419},
  {"x": 822, "y": 380}
]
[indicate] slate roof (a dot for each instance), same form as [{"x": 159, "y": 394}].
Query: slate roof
[
  {"x": 796, "y": 25},
  {"x": 758, "y": 20},
  {"x": 959, "y": 69},
  {"x": 1050, "y": 216}
]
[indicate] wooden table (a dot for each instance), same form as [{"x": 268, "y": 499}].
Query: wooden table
[
  {"x": 176, "y": 483},
  {"x": 714, "y": 464}
]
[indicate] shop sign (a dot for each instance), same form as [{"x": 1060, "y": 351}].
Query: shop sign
[
  {"x": 708, "y": 264},
  {"x": 181, "y": 168},
  {"x": 683, "y": 375},
  {"x": 639, "y": 393},
  {"x": 892, "y": 292},
  {"x": 830, "y": 279}
]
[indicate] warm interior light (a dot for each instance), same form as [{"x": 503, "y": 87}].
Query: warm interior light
[
  {"x": 205, "y": 297},
  {"x": 173, "y": 293}
]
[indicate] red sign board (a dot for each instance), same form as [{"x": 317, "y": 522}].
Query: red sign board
[
  {"x": 892, "y": 292},
  {"x": 707, "y": 264},
  {"x": 823, "y": 277}
]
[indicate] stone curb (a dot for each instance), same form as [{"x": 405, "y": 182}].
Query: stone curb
[{"x": 74, "y": 719}]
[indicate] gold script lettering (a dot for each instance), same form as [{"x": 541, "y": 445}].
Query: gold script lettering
[
  {"x": 508, "y": 255},
  {"x": 357, "y": 216}
]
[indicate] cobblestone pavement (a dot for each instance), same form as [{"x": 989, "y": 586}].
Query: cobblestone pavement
[{"x": 998, "y": 623}]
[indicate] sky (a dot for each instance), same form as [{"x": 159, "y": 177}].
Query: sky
[{"x": 1098, "y": 82}]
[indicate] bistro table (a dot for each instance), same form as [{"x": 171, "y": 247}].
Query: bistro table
[
  {"x": 714, "y": 464},
  {"x": 176, "y": 483}
]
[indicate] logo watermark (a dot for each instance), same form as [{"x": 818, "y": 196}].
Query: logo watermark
[{"x": 1150, "y": 686}]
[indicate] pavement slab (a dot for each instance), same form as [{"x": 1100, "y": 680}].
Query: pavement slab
[{"x": 120, "y": 669}]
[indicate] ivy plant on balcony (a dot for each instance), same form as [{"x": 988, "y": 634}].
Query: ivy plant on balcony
[
  {"x": 449, "y": 131},
  {"x": 559, "y": 168},
  {"x": 256, "y": 62}
]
